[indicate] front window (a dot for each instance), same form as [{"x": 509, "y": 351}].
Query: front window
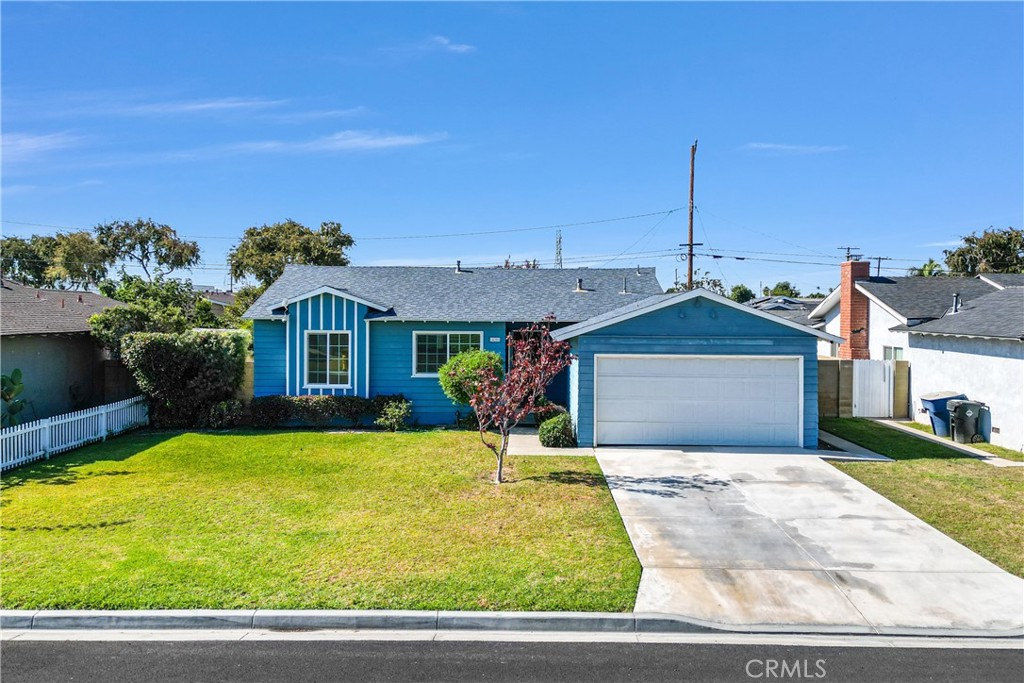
[
  {"x": 892, "y": 352},
  {"x": 327, "y": 358},
  {"x": 433, "y": 349}
]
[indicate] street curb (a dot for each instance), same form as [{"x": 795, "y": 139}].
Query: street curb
[{"x": 430, "y": 620}]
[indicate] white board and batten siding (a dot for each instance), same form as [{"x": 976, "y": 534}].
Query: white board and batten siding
[
  {"x": 676, "y": 400},
  {"x": 40, "y": 439}
]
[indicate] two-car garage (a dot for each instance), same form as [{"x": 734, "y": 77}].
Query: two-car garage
[
  {"x": 693, "y": 368},
  {"x": 665, "y": 400}
]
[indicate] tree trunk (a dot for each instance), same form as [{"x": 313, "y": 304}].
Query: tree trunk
[{"x": 501, "y": 457}]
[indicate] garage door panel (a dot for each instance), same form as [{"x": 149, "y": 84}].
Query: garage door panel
[{"x": 673, "y": 400}]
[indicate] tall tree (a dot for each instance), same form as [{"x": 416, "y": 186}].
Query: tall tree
[
  {"x": 784, "y": 289},
  {"x": 263, "y": 251},
  {"x": 148, "y": 244},
  {"x": 993, "y": 251},
  {"x": 244, "y": 298},
  {"x": 26, "y": 260},
  {"x": 165, "y": 298},
  {"x": 78, "y": 260},
  {"x": 741, "y": 294},
  {"x": 931, "y": 268}
]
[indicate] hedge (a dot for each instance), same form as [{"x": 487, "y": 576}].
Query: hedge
[
  {"x": 268, "y": 412},
  {"x": 185, "y": 374}
]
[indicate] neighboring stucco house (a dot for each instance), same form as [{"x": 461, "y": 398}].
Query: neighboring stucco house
[
  {"x": 959, "y": 334},
  {"x": 652, "y": 368},
  {"x": 45, "y": 333},
  {"x": 977, "y": 351}
]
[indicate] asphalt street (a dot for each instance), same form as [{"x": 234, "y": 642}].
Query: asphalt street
[{"x": 373, "y": 661}]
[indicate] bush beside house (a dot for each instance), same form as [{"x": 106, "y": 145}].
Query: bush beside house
[
  {"x": 268, "y": 412},
  {"x": 185, "y": 374},
  {"x": 557, "y": 432}
]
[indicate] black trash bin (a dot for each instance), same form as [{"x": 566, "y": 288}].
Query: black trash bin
[{"x": 964, "y": 417}]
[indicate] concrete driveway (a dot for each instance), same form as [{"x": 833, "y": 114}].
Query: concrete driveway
[{"x": 747, "y": 539}]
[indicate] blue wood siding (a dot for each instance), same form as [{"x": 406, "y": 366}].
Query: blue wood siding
[
  {"x": 391, "y": 369},
  {"x": 697, "y": 327},
  {"x": 326, "y": 312},
  {"x": 268, "y": 357}
]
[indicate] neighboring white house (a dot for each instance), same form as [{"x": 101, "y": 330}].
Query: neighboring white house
[
  {"x": 961, "y": 334},
  {"x": 977, "y": 351}
]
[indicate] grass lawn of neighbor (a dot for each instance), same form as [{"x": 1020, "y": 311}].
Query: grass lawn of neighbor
[
  {"x": 998, "y": 451},
  {"x": 311, "y": 520},
  {"x": 979, "y": 505}
]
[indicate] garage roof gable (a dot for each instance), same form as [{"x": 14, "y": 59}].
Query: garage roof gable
[{"x": 660, "y": 301}]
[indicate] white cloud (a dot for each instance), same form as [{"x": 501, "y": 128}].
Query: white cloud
[
  {"x": 443, "y": 43},
  {"x": 21, "y": 147},
  {"x": 319, "y": 114},
  {"x": 947, "y": 243},
  {"x": 196, "y": 106},
  {"x": 779, "y": 148},
  {"x": 342, "y": 141}
]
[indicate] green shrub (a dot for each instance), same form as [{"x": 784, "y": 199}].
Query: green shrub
[
  {"x": 226, "y": 415},
  {"x": 185, "y": 374},
  {"x": 353, "y": 408},
  {"x": 460, "y": 375},
  {"x": 468, "y": 421},
  {"x": 267, "y": 412},
  {"x": 380, "y": 401},
  {"x": 394, "y": 415},
  {"x": 557, "y": 432},
  {"x": 314, "y": 410}
]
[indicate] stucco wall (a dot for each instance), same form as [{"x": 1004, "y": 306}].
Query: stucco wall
[
  {"x": 879, "y": 322},
  {"x": 825, "y": 347},
  {"x": 986, "y": 370},
  {"x": 61, "y": 372}
]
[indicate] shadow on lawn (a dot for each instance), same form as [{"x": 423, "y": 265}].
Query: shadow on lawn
[
  {"x": 69, "y": 527},
  {"x": 570, "y": 478},
  {"x": 62, "y": 469}
]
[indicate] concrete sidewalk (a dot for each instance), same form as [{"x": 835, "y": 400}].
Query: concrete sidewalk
[{"x": 752, "y": 540}]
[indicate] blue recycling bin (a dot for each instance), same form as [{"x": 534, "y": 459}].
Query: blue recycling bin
[{"x": 935, "y": 405}]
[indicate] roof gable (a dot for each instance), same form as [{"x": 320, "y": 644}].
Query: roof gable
[
  {"x": 659, "y": 302},
  {"x": 480, "y": 294}
]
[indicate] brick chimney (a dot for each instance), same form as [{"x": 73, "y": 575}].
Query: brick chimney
[{"x": 853, "y": 311}]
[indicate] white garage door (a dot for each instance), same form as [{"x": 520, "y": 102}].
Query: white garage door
[{"x": 698, "y": 400}]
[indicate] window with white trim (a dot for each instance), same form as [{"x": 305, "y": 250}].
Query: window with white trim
[
  {"x": 431, "y": 350},
  {"x": 327, "y": 359},
  {"x": 892, "y": 353}
]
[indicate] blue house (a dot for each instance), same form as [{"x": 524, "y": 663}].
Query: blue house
[{"x": 650, "y": 368}]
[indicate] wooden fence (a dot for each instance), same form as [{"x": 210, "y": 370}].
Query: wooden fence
[{"x": 42, "y": 438}]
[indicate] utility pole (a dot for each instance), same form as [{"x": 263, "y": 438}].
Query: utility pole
[
  {"x": 558, "y": 249},
  {"x": 689, "y": 239},
  {"x": 878, "y": 268},
  {"x": 848, "y": 250}
]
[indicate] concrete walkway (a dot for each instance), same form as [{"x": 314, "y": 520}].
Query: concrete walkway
[
  {"x": 984, "y": 456},
  {"x": 747, "y": 539},
  {"x": 524, "y": 441}
]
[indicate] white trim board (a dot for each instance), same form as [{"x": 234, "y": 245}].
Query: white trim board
[
  {"x": 637, "y": 310},
  {"x": 334, "y": 291}
]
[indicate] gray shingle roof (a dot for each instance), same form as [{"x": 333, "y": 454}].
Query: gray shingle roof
[
  {"x": 477, "y": 294},
  {"x": 917, "y": 298},
  {"x": 999, "y": 315},
  {"x": 1005, "y": 279},
  {"x": 27, "y": 310}
]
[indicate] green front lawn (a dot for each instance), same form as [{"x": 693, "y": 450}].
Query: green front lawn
[
  {"x": 997, "y": 451},
  {"x": 979, "y": 505},
  {"x": 311, "y": 520}
]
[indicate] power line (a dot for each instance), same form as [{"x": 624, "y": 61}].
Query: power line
[
  {"x": 408, "y": 237},
  {"x": 640, "y": 239}
]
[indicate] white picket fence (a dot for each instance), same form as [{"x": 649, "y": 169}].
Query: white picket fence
[{"x": 42, "y": 438}]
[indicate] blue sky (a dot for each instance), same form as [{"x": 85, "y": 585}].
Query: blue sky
[{"x": 893, "y": 128}]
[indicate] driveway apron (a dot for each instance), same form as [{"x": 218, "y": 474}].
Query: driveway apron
[{"x": 785, "y": 540}]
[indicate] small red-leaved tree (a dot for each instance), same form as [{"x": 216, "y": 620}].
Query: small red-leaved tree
[{"x": 500, "y": 404}]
